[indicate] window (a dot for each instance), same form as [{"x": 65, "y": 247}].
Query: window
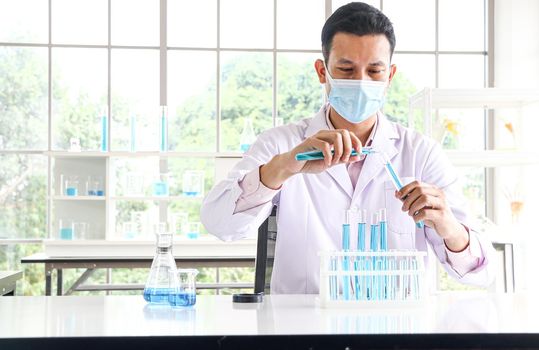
[{"x": 222, "y": 62}]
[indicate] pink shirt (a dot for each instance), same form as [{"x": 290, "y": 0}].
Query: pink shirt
[{"x": 254, "y": 193}]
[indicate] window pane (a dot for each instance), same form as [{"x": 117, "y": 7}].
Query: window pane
[
  {"x": 135, "y": 99},
  {"x": 23, "y": 98},
  {"x": 460, "y": 129},
  {"x": 290, "y": 35},
  {"x": 135, "y": 22},
  {"x": 338, "y": 3},
  {"x": 23, "y": 193},
  {"x": 414, "y": 72},
  {"x": 80, "y": 22},
  {"x": 192, "y": 100},
  {"x": 79, "y": 96},
  {"x": 184, "y": 16},
  {"x": 461, "y": 71},
  {"x": 34, "y": 274},
  {"x": 411, "y": 33},
  {"x": 246, "y": 23},
  {"x": 299, "y": 93},
  {"x": 246, "y": 93},
  {"x": 462, "y": 37},
  {"x": 18, "y": 24}
]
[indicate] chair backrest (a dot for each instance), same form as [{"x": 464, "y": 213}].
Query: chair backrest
[{"x": 265, "y": 249}]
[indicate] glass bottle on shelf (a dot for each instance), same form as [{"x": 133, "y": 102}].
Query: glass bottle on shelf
[
  {"x": 247, "y": 135},
  {"x": 163, "y": 278}
]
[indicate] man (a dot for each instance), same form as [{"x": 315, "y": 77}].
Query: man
[{"x": 312, "y": 196}]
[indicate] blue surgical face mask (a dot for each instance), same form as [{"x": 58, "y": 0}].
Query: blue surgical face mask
[{"x": 355, "y": 100}]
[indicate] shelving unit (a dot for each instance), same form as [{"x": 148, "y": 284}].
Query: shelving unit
[
  {"x": 492, "y": 99},
  {"x": 100, "y": 211}
]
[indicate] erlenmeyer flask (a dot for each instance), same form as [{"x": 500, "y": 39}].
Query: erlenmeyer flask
[{"x": 163, "y": 278}]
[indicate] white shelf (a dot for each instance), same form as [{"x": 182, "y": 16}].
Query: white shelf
[
  {"x": 142, "y": 154},
  {"x": 474, "y": 98},
  {"x": 183, "y": 247},
  {"x": 154, "y": 198},
  {"x": 490, "y": 159},
  {"x": 79, "y": 198}
]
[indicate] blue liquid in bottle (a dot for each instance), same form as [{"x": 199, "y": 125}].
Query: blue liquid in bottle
[
  {"x": 182, "y": 299},
  {"x": 71, "y": 191},
  {"x": 66, "y": 233}
]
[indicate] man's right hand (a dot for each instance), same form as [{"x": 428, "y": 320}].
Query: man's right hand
[{"x": 283, "y": 166}]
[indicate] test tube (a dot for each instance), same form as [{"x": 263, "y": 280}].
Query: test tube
[
  {"x": 346, "y": 248},
  {"x": 163, "y": 130},
  {"x": 382, "y": 216},
  {"x": 333, "y": 278},
  {"x": 104, "y": 130},
  {"x": 374, "y": 248},
  {"x": 359, "y": 262}
]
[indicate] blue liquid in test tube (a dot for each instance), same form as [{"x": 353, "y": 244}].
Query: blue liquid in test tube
[
  {"x": 383, "y": 247},
  {"x": 104, "y": 132},
  {"x": 346, "y": 259},
  {"x": 374, "y": 248},
  {"x": 359, "y": 263},
  {"x": 163, "y": 130}
]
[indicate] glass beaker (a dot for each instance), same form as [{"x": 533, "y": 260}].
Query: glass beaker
[
  {"x": 163, "y": 278},
  {"x": 130, "y": 230},
  {"x": 193, "y": 183},
  {"x": 80, "y": 230},
  {"x": 65, "y": 229},
  {"x": 247, "y": 135},
  {"x": 160, "y": 187},
  {"x": 193, "y": 230},
  {"x": 134, "y": 184},
  {"x": 179, "y": 222},
  {"x": 71, "y": 186},
  {"x": 185, "y": 294}
]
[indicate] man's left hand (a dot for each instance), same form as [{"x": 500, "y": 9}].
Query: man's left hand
[{"x": 427, "y": 202}]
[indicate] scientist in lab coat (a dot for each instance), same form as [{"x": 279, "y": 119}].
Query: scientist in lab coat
[{"x": 312, "y": 196}]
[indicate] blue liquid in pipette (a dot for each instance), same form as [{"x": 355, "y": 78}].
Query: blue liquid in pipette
[
  {"x": 182, "y": 299},
  {"x": 157, "y": 295}
]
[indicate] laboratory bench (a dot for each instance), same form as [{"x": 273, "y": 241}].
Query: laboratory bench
[
  {"x": 478, "y": 320},
  {"x": 8, "y": 282}
]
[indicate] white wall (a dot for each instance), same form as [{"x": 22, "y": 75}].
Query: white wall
[{"x": 516, "y": 65}]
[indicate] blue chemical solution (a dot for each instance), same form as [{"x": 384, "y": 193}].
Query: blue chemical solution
[
  {"x": 244, "y": 147},
  {"x": 157, "y": 295},
  {"x": 104, "y": 133},
  {"x": 164, "y": 134},
  {"x": 92, "y": 193},
  {"x": 191, "y": 194},
  {"x": 182, "y": 299},
  {"x": 66, "y": 233},
  {"x": 192, "y": 235},
  {"x": 99, "y": 193},
  {"x": 71, "y": 191},
  {"x": 160, "y": 189}
]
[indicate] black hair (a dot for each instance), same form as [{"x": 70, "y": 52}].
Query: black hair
[{"x": 356, "y": 18}]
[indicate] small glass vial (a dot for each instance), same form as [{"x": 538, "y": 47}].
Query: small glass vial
[
  {"x": 193, "y": 183},
  {"x": 71, "y": 186},
  {"x": 65, "y": 229},
  {"x": 160, "y": 186},
  {"x": 247, "y": 135}
]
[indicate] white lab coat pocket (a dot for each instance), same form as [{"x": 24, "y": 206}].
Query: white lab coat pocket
[{"x": 398, "y": 221}]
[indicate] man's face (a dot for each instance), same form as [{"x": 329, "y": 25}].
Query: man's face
[{"x": 364, "y": 57}]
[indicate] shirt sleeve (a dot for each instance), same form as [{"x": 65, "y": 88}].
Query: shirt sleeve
[
  {"x": 254, "y": 193},
  {"x": 468, "y": 259}
]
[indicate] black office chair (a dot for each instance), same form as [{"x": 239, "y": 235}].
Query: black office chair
[{"x": 265, "y": 250}]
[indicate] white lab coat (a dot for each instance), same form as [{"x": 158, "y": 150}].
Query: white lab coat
[{"x": 311, "y": 207}]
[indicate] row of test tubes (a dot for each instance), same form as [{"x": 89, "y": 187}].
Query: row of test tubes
[{"x": 372, "y": 272}]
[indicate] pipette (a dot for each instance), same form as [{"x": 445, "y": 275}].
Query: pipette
[
  {"x": 395, "y": 179},
  {"x": 316, "y": 155}
]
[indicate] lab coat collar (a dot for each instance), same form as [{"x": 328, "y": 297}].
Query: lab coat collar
[{"x": 384, "y": 140}]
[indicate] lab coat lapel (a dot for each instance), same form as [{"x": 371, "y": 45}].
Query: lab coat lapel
[
  {"x": 339, "y": 173},
  {"x": 383, "y": 141}
]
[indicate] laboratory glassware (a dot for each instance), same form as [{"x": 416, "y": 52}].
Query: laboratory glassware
[
  {"x": 163, "y": 129},
  {"x": 163, "y": 277},
  {"x": 185, "y": 294},
  {"x": 193, "y": 183},
  {"x": 247, "y": 135}
]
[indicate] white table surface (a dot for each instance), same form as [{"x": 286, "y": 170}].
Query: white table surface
[{"x": 103, "y": 316}]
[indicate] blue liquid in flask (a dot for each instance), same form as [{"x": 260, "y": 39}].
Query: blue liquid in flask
[{"x": 157, "y": 295}]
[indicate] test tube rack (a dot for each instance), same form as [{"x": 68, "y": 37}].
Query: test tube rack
[{"x": 372, "y": 279}]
